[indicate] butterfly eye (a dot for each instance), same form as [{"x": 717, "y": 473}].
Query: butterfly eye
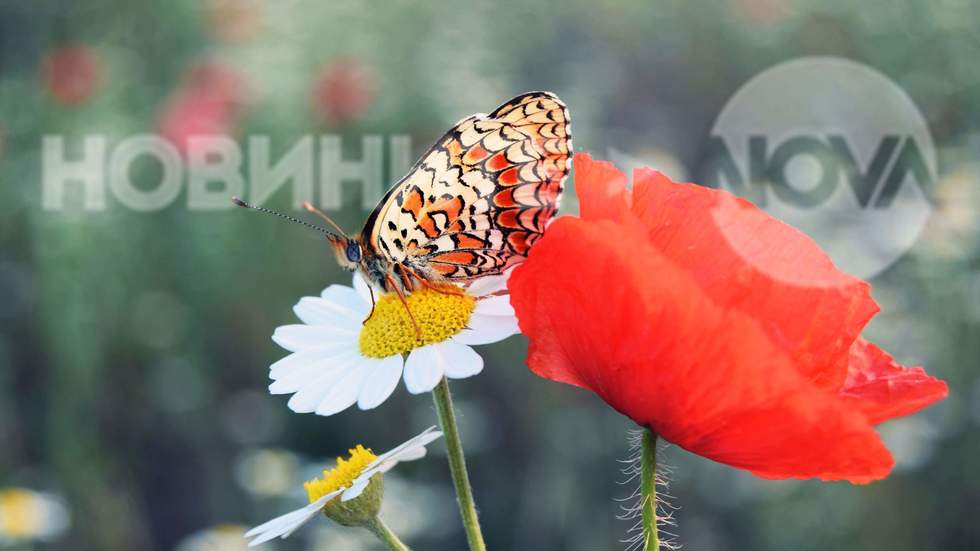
[{"x": 353, "y": 251}]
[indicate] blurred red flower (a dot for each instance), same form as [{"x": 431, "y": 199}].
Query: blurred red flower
[
  {"x": 71, "y": 74},
  {"x": 717, "y": 326},
  {"x": 344, "y": 90},
  {"x": 207, "y": 103}
]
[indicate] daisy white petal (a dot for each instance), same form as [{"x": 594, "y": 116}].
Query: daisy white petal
[
  {"x": 300, "y": 337},
  {"x": 423, "y": 369},
  {"x": 495, "y": 306},
  {"x": 296, "y": 527},
  {"x": 300, "y": 374},
  {"x": 343, "y": 394},
  {"x": 491, "y": 329},
  {"x": 409, "y": 454},
  {"x": 422, "y": 439},
  {"x": 473, "y": 338},
  {"x": 319, "y": 311},
  {"x": 498, "y": 325},
  {"x": 346, "y": 389},
  {"x": 461, "y": 360},
  {"x": 380, "y": 382},
  {"x": 356, "y": 489},
  {"x": 312, "y": 394},
  {"x": 346, "y": 297},
  {"x": 408, "y": 451},
  {"x": 284, "y": 525},
  {"x": 291, "y": 362},
  {"x": 488, "y": 285},
  {"x": 280, "y": 524}
]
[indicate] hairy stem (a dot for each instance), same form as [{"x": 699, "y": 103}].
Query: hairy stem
[
  {"x": 381, "y": 530},
  {"x": 648, "y": 490},
  {"x": 457, "y": 465}
]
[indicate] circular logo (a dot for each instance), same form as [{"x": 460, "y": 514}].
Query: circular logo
[{"x": 834, "y": 148}]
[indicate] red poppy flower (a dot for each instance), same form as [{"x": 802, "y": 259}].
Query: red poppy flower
[
  {"x": 718, "y": 327},
  {"x": 344, "y": 90},
  {"x": 71, "y": 74},
  {"x": 207, "y": 103}
]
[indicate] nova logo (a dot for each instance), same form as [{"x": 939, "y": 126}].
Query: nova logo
[
  {"x": 874, "y": 185},
  {"x": 833, "y": 148}
]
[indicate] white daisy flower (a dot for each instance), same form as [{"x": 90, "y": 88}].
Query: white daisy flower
[
  {"x": 339, "y": 359},
  {"x": 26, "y": 515},
  {"x": 350, "y": 493}
]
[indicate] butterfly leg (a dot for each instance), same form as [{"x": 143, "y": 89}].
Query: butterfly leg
[
  {"x": 401, "y": 296},
  {"x": 405, "y": 276},
  {"x": 373, "y": 302}
]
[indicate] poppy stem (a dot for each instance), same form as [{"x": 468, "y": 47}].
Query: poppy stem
[
  {"x": 381, "y": 530},
  {"x": 457, "y": 465},
  {"x": 648, "y": 490}
]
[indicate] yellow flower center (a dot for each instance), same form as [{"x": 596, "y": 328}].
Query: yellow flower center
[
  {"x": 390, "y": 330},
  {"x": 342, "y": 475},
  {"x": 19, "y": 515}
]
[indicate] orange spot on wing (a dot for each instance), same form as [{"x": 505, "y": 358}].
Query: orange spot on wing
[
  {"x": 498, "y": 162},
  {"x": 475, "y": 155},
  {"x": 444, "y": 269},
  {"x": 453, "y": 207},
  {"x": 518, "y": 240},
  {"x": 455, "y": 257},
  {"x": 469, "y": 242},
  {"x": 413, "y": 202},
  {"x": 428, "y": 225},
  {"x": 505, "y": 198},
  {"x": 509, "y": 177},
  {"x": 508, "y": 219}
]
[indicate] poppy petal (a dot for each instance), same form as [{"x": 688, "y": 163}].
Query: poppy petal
[
  {"x": 601, "y": 189},
  {"x": 883, "y": 389}
]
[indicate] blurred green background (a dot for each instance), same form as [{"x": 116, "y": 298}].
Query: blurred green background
[{"x": 134, "y": 346}]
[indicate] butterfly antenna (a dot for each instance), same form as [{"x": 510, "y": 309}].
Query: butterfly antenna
[
  {"x": 243, "y": 204},
  {"x": 323, "y": 216}
]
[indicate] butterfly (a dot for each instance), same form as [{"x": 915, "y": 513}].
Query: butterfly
[{"x": 472, "y": 206}]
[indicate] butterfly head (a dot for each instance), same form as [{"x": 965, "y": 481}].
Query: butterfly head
[{"x": 348, "y": 251}]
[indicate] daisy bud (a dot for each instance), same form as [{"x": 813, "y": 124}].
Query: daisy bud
[{"x": 362, "y": 509}]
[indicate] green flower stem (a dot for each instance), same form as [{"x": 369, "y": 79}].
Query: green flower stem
[
  {"x": 457, "y": 464},
  {"x": 381, "y": 530},
  {"x": 648, "y": 490}
]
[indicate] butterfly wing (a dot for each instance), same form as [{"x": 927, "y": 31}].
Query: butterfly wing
[{"x": 481, "y": 196}]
